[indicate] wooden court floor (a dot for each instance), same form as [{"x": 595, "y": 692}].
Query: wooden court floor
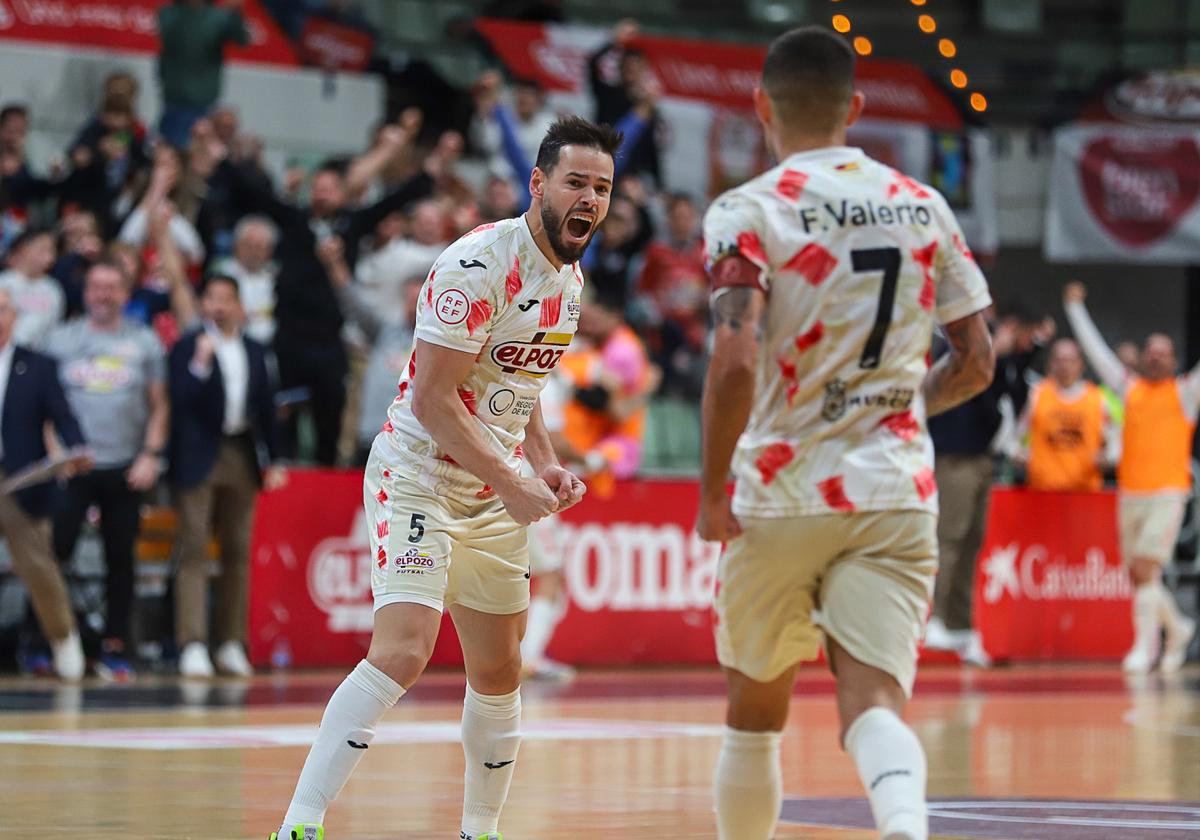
[{"x": 1050, "y": 753}]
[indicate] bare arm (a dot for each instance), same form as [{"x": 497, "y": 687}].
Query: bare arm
[
  {"x": 539, "y": 449},
  {"x": 1102, "y": 359},
  {"x": 439, "y": 408},
  {"x": 171, "y": 265},
  {"x": 963, "y": 372},
  {"x": 144, "y": 472},
  {"x": 392, "y": 140},
  {"x": 729, "y": 385}
]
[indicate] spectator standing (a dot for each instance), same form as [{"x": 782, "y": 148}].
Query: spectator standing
[
  {"x": 193, "y": 34},
  {"x": 169, "y": 183},
  {"x": 1154, "y": 477},
  {"x": 254, "y": 240},
  {"x": 222, "y": 453},
  {"x": 390, "y": 342},
  {"x": 963, "y": 440},
  {"x": 307, "y": 341},
  {"x": 38, "y": 298},
  {"x": 622, "y": 80},
  {"x": 381, "y": 273},
  {"x": 610, "y": 261},
  {"x": 112, "y": 146},
  {"x": 527, "y": 119},
  {"x": 114, "y": 374},
  {"x": 1064, "y": 428},
  {"x": 80, "y": 246},
  {"x": 673, "y": 286},
  {"x": 30, "y": 397}
]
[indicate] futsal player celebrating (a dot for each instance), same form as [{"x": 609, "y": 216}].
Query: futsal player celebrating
[
  {"x": 829, "y": 274},
  {"x": 447, "y": 505}
]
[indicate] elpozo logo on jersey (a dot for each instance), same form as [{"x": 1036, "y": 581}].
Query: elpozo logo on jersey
[{"x": 531, "y": 358}]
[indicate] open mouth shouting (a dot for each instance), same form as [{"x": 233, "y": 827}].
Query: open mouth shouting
[{"x": 578, "y": 227}]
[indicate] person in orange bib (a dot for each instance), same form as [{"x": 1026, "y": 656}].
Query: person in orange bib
[
  {"x": 1065, "y": 432},
  {"x": 1153, "y": 475}
]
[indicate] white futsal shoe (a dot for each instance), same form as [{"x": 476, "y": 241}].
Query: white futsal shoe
[
  {"x": 194, "y": 661},
  {"x": 1179, "y": 637},
  {"x": 69, "y": 662},
  {"x": 231, "y": 659}
]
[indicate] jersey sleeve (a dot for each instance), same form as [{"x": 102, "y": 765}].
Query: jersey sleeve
[
  {"x": 961, "y": 287},
  {"x": 734, "y": 226},
  {"x": 459, "y": 303}
]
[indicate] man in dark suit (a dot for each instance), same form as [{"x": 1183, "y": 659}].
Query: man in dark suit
[
  {"x": 30, "y": 394},
  {"x": 222, "y": 451}
]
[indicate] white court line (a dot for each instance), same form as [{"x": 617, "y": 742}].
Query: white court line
[{"x": 428, "y": 732}]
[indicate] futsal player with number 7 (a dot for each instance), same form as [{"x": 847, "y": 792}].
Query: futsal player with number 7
[{"x": 830, "y": 273}]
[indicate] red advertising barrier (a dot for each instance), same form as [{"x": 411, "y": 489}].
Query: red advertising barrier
[
  {"x": 639, "y": 580},
  {"x": 720, "y": 73},
  {"x": 129, "y": 25},
  {"x": 1049, "y": 583}
]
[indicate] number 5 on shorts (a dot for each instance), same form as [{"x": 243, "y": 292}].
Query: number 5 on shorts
[{"x": 417, "y": 526}]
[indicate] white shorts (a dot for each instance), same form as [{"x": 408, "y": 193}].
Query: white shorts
[
  {"x": 1149, "y": 525},
  {"x": 546, "y": 546},
  {"x": 865, "y": 579},
  {"x": 429, "y": 550}
]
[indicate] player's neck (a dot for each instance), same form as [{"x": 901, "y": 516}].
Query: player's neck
[
  {"x": 534, "y": 221},
  {"x": 794, "y": 144}
]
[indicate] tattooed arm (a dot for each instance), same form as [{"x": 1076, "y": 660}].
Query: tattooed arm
[
  {"x": 963, "y": 372},
  {"x": 728, "y": 397}
]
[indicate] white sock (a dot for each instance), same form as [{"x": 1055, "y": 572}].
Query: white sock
[
  {"x": 353, "y": 710},
  {"x": 891, "y": 765},
  {"x": 1147, "y": 601},
  {"x": 1168, "y": 610},
  {"x": 544, "y": 616},
  {"x": 491, "y": 736},
  {"x": 749, "y": 785}
]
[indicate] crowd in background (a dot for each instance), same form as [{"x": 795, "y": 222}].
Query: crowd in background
[{"x": 141, "y": 261}]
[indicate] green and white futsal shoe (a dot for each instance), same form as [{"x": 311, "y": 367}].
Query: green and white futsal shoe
[{"x": 304, "y": 831}]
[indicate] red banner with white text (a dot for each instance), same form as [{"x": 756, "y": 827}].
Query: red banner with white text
[
  {"x": 718, "y": 73},
  {"x": 128, "y": 25},
  {"x": 1049, "y": 581},
  {"x": 639, "y": 581}
]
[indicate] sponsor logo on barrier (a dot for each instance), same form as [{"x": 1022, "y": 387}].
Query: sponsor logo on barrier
[
  {"x": 624, "y": 566},
  {"x": 339, "y": 579},
  {"x": 1030, "y": 573}
]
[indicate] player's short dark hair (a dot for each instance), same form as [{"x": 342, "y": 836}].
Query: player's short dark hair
[
  {"x": 219, "y": 277},
  {"x": 572, "y": 130},
  {"x": 809, "y": 76}
]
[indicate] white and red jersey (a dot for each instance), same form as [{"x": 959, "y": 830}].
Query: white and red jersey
[
  {"x": 859, "y": 262},
  {"x": 494, "y": 294}
]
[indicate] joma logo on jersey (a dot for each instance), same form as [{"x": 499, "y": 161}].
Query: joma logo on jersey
[{"x": 531, "y": 358}]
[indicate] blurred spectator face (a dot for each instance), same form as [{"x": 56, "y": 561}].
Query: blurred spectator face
[
  {"x": 328, "y": 193},
  {"x": 1158, "y": 357},
  {"x": 633, "y": 68},
  {"x": 221, "y": 305},
  {"x": 254, "y": 246},
  {"x": 81, "y": 235},
  {"x": 1066, "y": 363},
  {"x": 598, "y": 320},
  {"x": 464, "y": 217},
  {"x": 621, "y": 224},
  {"x": 8, "y": 317},
  {"x": 167, "y": 156},
  {"x": 14, "y": 126},
  {"x": 500, "y": 196},
  {"x": 105, "y": 294},
  {"x": 392, "y": 227},
  {"x": 35, "y": 256},
  {"x": 681, "y": 220},
  {"x": 527, "y": 100},
  {"x": 225, "y": 124},
  {"x": 428, "y": 223},
  {"x": 122, "y": 85},
  {"x": 1129, "y": 355},
  {"x": 574, "y": 195}
]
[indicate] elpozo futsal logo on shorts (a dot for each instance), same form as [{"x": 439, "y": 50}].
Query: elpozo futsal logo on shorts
[
  {"x": 531, "y": 358},
  {"x": 413, "y": 562}
]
